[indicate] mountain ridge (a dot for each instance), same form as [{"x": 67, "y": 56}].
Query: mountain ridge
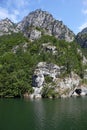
[
  {"x": 40, "y": 19},
  {"x": 81, "y": 38}
]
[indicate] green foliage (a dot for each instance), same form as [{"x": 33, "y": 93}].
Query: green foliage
[
  {"x": 16, "y": 69},
  {"x": 48, "y": 79},
  {"x": 84, "y": 81},
  {"x": 84, "y": 50},
  {"x": 49, "y": 92},
  {"x": 8, "y": 41}
]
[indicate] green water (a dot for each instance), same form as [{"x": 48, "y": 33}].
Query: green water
[{"x": 46, "y": 114}]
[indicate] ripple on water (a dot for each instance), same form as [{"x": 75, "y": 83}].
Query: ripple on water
[{"x": 59, "y": 114}]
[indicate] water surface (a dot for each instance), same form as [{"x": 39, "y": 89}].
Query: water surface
[{"x": 45, "y": 114}]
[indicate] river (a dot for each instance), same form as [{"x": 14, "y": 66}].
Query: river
[{"x": 43, "y": 114}]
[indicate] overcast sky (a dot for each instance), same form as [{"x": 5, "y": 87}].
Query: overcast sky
[{"x": 73, "y": 13}]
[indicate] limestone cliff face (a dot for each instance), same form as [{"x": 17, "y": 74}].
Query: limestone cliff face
[
  {"x": 47, "y": 82},
  {"x": 39, "y": 21}
]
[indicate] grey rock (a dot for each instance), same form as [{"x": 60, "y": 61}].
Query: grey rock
[
  {"x": 35, "y": 24},
  {"x": 46, "y": 22},
  {"x": 22, "y": 46},
  {"x": 85, "y": 74},
  {"x": 80, "y": 91},
  {"x": 84, "y": 60},
  {"x": 63, "y": 87},
  {"x": 33, "y": 34},
  {"x": 44, "y": 69},
  {"x": 38, "y": 80},
  {"x": 47, "y": 47},
  {"x": 7, "y": 27}
]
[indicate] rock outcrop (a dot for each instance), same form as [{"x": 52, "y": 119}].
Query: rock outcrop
[
  {"x": 47, "y": 47},
  {"x": 22, "y": 46},
  {"x": 47, "y": 77},
  {"x": 45, "y": 69},
  {"x": 7, "y": 27}
]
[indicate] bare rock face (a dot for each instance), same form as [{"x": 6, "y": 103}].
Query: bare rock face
[
  {"x": 7, "y": 27},
  {"x": 33, "y": 34},
  {"x": 43, "y": 69},
  {"x": 84, "y": 59},
  {"x": 45, "y": 21},
  {"x": 22, "y": 46},
  {"x": 47, "y": 47},
  {"x": 80, "y": 91},
  {"x": 57, "y": 86},
  {"x": 38, "y": 79},
  {"x": 85, "y": 74},
  {"x": 36, "y": 24},
  {"x": 64, "y": 87}
]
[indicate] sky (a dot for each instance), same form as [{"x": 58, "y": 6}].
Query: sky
[{"x": 73, "y": 13}]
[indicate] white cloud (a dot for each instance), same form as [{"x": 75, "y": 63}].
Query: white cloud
[{"x": 83, "y": 26}]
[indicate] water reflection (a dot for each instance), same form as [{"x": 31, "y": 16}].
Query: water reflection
[
  {"x": 59, "y": 114},
  {"x": 62, "y": 113}
]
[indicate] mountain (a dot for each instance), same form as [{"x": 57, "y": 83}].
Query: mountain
[
  {"x": 41, "y": 22},
  {"x": 36, "y": 24},
  {"x": 81, "y": 38},
  {"x": 38, "y": 58},
  {"x": 7, "y": 27}
]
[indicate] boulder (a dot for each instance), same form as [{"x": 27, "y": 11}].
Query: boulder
[
  {"x": 43, "y": 69},
  {"x": 47, "y": 47}
]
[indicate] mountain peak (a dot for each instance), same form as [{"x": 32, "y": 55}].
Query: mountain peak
[
  {"x": 36, "y": 24},
  {"x": 7, "y": 27},
  {"x": 43, "y": 20},
  {"x": 39, "y": 11},
  {"x": 6, "y": 19}
]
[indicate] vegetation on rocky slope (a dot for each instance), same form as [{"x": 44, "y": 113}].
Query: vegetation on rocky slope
[{"x": 19, "y": 57}]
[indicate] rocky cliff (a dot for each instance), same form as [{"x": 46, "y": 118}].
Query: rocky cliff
[
  {"x": 51, "y": 81},
  {"x": 7, "y": 27},
  {"x": 36, "y": 24},
  {"x": 48, "y": 83},
  {"x": 39, "y": 22}
]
